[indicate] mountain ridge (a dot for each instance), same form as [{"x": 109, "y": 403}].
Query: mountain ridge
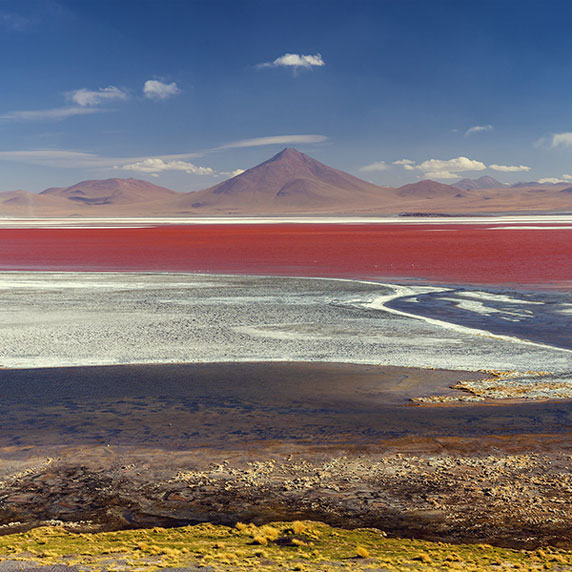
[
  {"x": 484, "y": 182},
  {"x": 281, "y": 179}
]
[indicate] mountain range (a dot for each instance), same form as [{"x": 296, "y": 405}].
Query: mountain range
[{"x": 290, "y": 182}]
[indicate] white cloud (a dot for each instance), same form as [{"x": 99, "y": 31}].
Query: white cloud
[
  {"x": 89, "y": 98},
  {"x": 85, "y": 100},
  {"x": 441, "y": 175},
  {"x": 274, "y": 140},
  {"x": 567, "y": 177},
  {"x": 456, "y": 165},
  {"x": 551, "y": 180},
  {"x": 404, "y": 162},
  {"x": 443, "y": 169},
  {"x": 231, "y": 174},
  {"x": 295, "y": 61},
  {"x": 562, "y": 139},
  {"x": 234, "y": 173},
  {"x": 377, "y": 166},
  {"x": 158, "y": 90},
  {"x": 509, "y": 168},
  {"x": 51, "y": 157},
  {"x": 55, "y": 114},
  {"x": 14, "y": 21},
  {"x": 156, "y": 165},
  {"x": 478, "y": 129},
  {"x": 76, "y": 159}
]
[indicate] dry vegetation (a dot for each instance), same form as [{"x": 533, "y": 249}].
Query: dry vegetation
[{"x": 281, "y": 545}]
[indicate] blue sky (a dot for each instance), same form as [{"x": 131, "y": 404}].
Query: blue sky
[{"x": 185, "y": 93}]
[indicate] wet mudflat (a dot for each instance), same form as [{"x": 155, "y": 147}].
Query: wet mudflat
[{"x": 180, "y": 407}]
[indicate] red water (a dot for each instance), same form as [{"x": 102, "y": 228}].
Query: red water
[{"x": 436, "y": 253}]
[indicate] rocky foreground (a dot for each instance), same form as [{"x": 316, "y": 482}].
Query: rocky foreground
[{"x": 450, "y": 490}]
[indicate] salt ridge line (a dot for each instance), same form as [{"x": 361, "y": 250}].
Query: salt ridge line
[
  {"x": 380, "y": 303},
  {"x": 494, "y": 297}
]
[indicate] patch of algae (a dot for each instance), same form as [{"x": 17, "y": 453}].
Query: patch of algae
[{"x": 304, "y": 546}]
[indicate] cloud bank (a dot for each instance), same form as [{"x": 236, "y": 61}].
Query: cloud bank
[
  {"x": 446, "y": 169},
  {"x": 156, "y": 165},
  {"x": 509, "y": 168},
  {"x": 562, "y": 140},
  {"x": 88, "y": 98}
]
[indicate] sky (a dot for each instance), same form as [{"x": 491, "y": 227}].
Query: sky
[{"x": 186, "y": 93}]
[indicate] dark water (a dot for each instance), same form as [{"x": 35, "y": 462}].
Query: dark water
[
  {"x": 194, "y": 405},
  {"x": 543, "y": 317}
]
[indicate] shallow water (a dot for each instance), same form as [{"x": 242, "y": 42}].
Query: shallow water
[{"x": 544, "y": 317}]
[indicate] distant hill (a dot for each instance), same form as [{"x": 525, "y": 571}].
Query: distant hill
[
  {"x": 288, "y": 182},
  {"x": 483, "y": 182},
  {"x": 25, "y": 203},
  {"x": 111, "y": 192},
  {"x": 537, "y": 185}
]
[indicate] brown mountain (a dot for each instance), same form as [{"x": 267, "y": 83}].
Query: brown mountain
[
  {"x": 111, "y": 192},
  {"x": 288, "y": 182}
]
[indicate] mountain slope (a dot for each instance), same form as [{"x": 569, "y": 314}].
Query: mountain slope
[
  {"x": 428, "y": 189},
  {"x": 288, "y": 182},
  {"x": 483, "y": 182}
]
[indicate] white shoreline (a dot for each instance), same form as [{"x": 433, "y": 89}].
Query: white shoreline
[
  {"x": 317, "y": 329},
  {"x": 509, "y": 221}
]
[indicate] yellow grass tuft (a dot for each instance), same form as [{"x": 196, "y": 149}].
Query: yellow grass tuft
[
  {"x": 362, "y": 552},
  {"x": 299, "y": 527}
]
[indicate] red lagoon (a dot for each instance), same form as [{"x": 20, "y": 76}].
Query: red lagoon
[{"x": 451, "y": 253}]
